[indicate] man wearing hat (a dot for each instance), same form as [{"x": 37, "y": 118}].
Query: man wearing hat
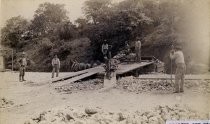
[
  {"x": 55, "y": 65},
  {"x": 22, "y": 66},
  {"x": 177, "y": 55},
  {"x": 104, "y": 49},
  {"x": 138, "y": 50}
]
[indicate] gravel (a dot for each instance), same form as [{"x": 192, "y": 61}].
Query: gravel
[
  {"x": 157, "y": 115},
  {"x": 131, "y": 84},
  {"x": 5, "y": 103},
  {"x": 93, "y": 84}
]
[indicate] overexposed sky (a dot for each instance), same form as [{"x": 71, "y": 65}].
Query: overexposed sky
[{"x": 26, "y": 8}]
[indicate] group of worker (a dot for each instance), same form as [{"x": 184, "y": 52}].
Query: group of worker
[{"x": 176, "y": 54}]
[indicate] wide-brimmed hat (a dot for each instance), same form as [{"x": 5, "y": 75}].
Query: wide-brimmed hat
[
  {"x": 138, "y": 38},
  {"x": 23, "y": 53},
  {"x": 178, "y": 47}
]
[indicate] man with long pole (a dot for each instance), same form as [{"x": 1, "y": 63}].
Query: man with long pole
[
  {"x": 178, "y": 56},
  {"x": 172, "y": 48}
]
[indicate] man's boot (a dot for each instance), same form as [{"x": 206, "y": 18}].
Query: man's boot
[
  {"x": 23, "y": 78},
  {"x": 20, "y": 78},
  {"x": 182, "y": 89},
  {"x": 182, "y": 85},
  {"x": 176, "y": 88}
]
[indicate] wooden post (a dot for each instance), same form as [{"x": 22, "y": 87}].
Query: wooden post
[
  {"x": 12, "y": 61},
  {"x": 171, "y": 70}
]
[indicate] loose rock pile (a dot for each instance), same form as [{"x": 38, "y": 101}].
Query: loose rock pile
[
  {"x": 199, "y": 86},
  {"x": 131, "y": 84},
  {"x": 136, "y": 85},
  {"x": 5, "y": 103},
  {"x": 93, "y": 84},
  {"x": 95, "y": 116}
]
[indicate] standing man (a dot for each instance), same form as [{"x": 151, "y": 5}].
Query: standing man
[
  {"x": 56, "y": 66},
  {"x": 178, "y": 56},
  {"x": 127, "y": 48},
  {"x": 138, "y": 50},
  {"x": 104, "y": 49},
  {"x": 22, "y": 66}
]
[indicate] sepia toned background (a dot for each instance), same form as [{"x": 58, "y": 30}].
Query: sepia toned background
[
  {"x": 193, "y": 29},
  {"x": 78, "y": 35}
]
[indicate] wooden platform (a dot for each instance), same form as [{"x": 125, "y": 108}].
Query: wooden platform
[
  {"x": 84, "y": 74},
  {"x": 124, "y": 68}
]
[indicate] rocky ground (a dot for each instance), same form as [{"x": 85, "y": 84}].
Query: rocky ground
[
  {"x": 93, "y": 84},
  {"x": 131, "y": 84},
  {"x": 130, "y": 101},
  {"x": 157, "y": 115},
  {"x": 5, "y": 103}
]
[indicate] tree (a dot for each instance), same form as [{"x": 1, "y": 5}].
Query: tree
[
  {"x": 82, "y": 26},
  {"x": 12, "y": 33},
  {"x": 67, "y": 31},
  {"x": 95, "y": 9},
  {"x": 47, "y": 18},
  {"x": 116, "y": 23}
]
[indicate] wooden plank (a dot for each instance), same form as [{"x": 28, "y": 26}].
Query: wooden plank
[
  {"x": 75, "y": 74},
  {"x": 124, "y": 68},
  {"x": 75, "y": 79},
  {"x": 67, "y": 76},
  {"x": 79, "y": 77}
]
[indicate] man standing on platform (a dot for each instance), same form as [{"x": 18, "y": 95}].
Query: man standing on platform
[
  {"x": 138, "y": 50},
  {"x": 56, "y": 66},
  {"x": 178, "y": 56},
  {"x": 104, "y": 49}
]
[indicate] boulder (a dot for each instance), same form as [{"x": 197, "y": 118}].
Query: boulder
[{"x": 90, "y": 111}]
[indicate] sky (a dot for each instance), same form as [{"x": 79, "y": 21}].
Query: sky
[{"x": 26, "y": 8}]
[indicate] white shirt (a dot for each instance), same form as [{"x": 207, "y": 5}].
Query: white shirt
[
  {"x": 178, "y": 56},
  {"x": 55, "y": 61},
  {"x": 138, "y": 44},
  {"x": 23, "y": 61}
]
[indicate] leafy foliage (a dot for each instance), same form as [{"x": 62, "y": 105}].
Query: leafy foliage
[
  {"x": 47, "y": 17},
  {"x": 12, "y": 33},
  {"x": 157, "y": 23}
]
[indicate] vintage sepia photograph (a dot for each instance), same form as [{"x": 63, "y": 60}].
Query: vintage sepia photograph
[{"x": 104, "y": 61}]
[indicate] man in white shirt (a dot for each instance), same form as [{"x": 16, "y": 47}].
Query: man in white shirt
[
  {"x": 138, "y": 50},
  {"x": 56, "y": 66},
  {"x": 178, "y": 56},
  {"x": 22, "y": 66}
]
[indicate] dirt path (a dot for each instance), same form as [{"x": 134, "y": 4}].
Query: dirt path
[{"x": 30, "y": 98}]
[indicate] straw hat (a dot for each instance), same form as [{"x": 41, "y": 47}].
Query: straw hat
[{"x": 179, "y": 47}]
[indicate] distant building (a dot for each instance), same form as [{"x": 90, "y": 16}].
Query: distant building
[
  {"x": 3, "y": 52},
  {"x": 2, "y": 65}
]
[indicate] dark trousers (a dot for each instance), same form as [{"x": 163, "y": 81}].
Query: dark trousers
[
  {"x": 138, "y": 55},
  {"x": 22, "y": 70},
  {"x": 55, "y": 69}
]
